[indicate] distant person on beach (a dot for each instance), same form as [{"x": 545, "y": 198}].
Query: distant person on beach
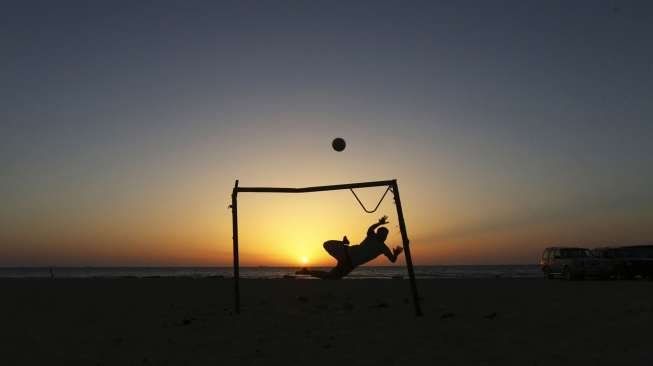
[{"x": 350, "y": 257}]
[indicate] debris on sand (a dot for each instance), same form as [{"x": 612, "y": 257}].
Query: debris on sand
[
  {"x": 187, "y": 321},
  {"x": 380, "y": 305},
  {"x": 303, "y": 299}
]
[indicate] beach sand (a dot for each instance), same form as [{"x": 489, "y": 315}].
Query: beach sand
[{"x": 182, "y": 321}]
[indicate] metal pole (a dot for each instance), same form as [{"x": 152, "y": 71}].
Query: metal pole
[
  {"x": 404, "y": 237},
  {"x": 316, "y": 189},
  {"x": 234, "y": 216}
]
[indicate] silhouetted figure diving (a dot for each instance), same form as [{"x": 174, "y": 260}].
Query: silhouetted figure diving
[{"x": 350, "y": 257}]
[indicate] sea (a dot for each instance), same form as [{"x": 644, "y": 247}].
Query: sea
[{"x": 364, "y": 272}]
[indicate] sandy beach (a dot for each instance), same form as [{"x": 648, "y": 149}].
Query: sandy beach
[{"x": 181, "y": 321}]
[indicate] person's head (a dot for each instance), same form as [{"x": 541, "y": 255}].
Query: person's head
[{"x": 382, "y": 233}]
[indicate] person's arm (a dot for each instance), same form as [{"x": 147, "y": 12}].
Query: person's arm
[
  {"x": 382, "y": 221},
  {"x": 392, "y": 255}
]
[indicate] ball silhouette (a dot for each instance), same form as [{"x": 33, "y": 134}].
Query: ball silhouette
[{"x": 338, "y": 144}]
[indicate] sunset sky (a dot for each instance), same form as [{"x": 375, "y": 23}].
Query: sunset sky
[{"x": 510, "y": 126}]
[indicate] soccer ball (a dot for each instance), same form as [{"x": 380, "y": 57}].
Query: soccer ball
[{"x": 338, "y": 144}]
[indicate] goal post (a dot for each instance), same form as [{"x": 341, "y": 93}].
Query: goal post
[{"x": 391, "y": 184}]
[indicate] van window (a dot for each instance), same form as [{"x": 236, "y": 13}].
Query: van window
[{"x": 575, "y": 253}]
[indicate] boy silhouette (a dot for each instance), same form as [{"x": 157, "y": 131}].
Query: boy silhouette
[{"x": 349, "y": 257}]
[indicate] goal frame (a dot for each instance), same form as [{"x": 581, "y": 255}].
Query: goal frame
[{"x": 393, "y": 186}]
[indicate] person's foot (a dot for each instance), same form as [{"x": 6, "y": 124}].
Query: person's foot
[
  {"x": 345, "y": 240},
  {"x": 302, "y": 271}
]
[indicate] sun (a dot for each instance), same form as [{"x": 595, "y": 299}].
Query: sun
[{"x": 304, "y": 260}]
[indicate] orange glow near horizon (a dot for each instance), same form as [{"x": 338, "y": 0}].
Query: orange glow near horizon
[{"x": 175, "y": 224}]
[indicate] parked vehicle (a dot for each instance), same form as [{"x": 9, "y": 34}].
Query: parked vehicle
[
  {"x": 573, "y": 263},
  {"x": 629, "y": 261}
]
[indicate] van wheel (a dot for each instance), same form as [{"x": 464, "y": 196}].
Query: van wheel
[
  {"x": 625, "y": 275},
  {"x": 547, "y": 274},
  {"x": 566, "y": 274}
]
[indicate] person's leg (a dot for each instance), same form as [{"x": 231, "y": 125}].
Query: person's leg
[
  {"x": 335, "y": 273},
  {"x": 337, "y": 249},
  {"x": 334, "y": 248},
  {"x": 324, "y": 275}
]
